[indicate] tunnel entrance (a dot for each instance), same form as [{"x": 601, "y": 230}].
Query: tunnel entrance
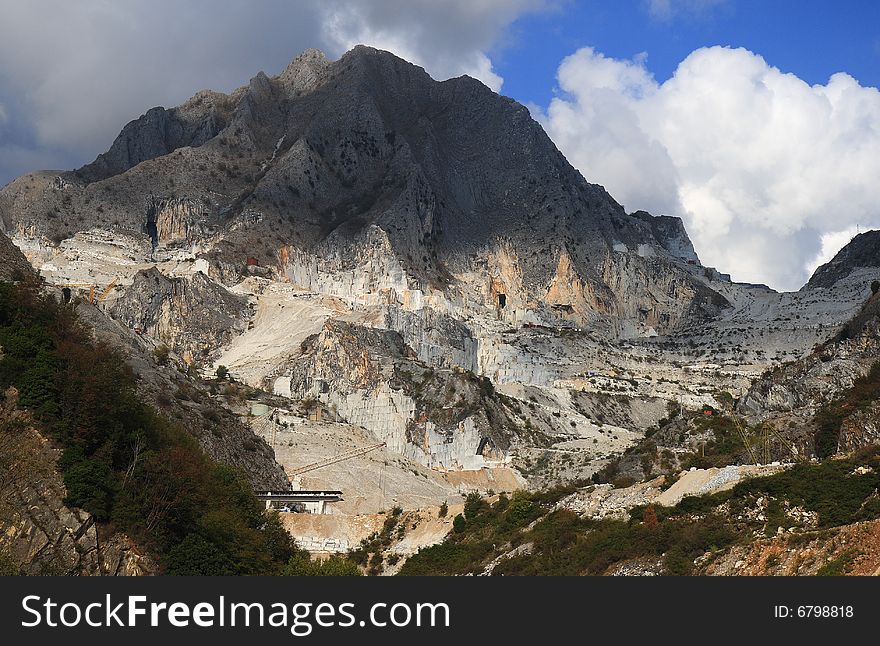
[{"x": 502, "y": 300}]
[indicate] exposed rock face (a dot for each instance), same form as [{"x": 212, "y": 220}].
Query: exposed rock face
[
  {"x": 667, "y": 300},
  {"x": 441, "y": 418},
  {"x": 671, "y": 234},
  {"x": 438, "y": 339},
  {"x": 192, "y": 315},
  {"x": 805, "y": 385},
  {"x": 862, "y": 251},
  {"x": 860, "y": 429},
  {"x": 39, "y": 534},
  {"x": 13, "y": 264},
  {"x": 170, "y": 220},
  {"x": 327, "y": 152}
]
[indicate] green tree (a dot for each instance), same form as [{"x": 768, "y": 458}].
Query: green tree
[
  {"x": 196, "y": 556},
  {"x": 278, "y": 540},
  {"x": 459, "y": 524},
  {"x": 38, "y": 388},
  {"x": 473, "y": 505},
  {"x": 222, "y": 372},
  {"x": 91, "y": 485},
  {"x": 521, "y": 509}
]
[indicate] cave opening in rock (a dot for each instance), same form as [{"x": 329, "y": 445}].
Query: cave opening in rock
[
  {"x": 502, "y": 300},
  {"x": 150, "y": 227}
]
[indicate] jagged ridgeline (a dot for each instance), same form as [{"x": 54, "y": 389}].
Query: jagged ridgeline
[{"x": 367, "y": 163}]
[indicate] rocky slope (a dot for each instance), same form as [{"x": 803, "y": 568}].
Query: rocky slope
[
  {"x": 804, "y": 385},
  {"x": 357, "y": 233},
  {"x": 191, "y": 315},
  {"x": 800, "y": 519},
  {"x": 826, "y": 401},
  {"x": 13, "y": 264},
  {"x": 863, "y": 251},
  {"x": 39, "y": 534},
  {"x": 189, "y": 401},
  {"x": 67, "y": 494}
]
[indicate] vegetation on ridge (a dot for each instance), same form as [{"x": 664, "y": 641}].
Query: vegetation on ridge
[{"x": 805, "y": 499}]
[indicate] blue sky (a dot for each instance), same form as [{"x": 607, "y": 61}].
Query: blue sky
[
  {"x": 809, "y": 38},
  {"x": 769, "y": 153}
]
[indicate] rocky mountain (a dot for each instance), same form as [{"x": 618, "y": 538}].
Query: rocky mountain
[
  {"x": 826, "y": 401},
  {"x": 820, "y": 376},
  {"x": 415, "y": 259},
  {"x": 367, "y": 164}
]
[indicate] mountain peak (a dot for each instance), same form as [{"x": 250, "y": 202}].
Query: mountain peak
[
  {"x": 304, "y": 70},
  {"x": 333, "y": 158},
  {"x": 862, "y": 251}
]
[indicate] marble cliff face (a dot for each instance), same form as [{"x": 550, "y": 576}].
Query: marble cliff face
[{"x": 418, "y": 257}]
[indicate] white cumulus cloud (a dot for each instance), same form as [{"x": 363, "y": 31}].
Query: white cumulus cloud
[
  {"x": 446, "y": 38},
  {"x": 759, "y": 163},
  {"x": 831, "y": 243}
]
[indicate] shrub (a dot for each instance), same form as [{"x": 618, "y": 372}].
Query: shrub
[
  {"x": 8, "y": 566},
  {"x": 521, "y": 510},
  {"x": 161, "y": 353},
  {"x": 302, "y": 565},
  {"x": 839, "y": 565}
]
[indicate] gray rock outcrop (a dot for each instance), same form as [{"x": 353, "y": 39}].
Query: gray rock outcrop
[
  {"x": 13, "y": 264},
  {"x": 192, "y": 315}
]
